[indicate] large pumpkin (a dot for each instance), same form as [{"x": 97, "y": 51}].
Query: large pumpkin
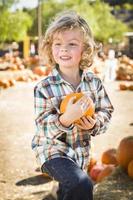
[
  {"x": 125, "y": 151},
  {"x": 109, "y": 157},
  {"x": 89, "y": 112}
]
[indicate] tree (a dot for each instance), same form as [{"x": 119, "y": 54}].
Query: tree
[
  {"x": 104, "y": 25},
  {"x": 14, "y": 26},
  {"x": 118, "y": 2},
  {"x": 48, "y": 10},
  {"x": 97, "y": 13},
  {"x": 7, "y": 3}
]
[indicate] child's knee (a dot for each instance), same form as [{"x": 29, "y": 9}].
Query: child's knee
[
  {"x": 85, "y": 184},
  {"x": 82, "y": 184}
]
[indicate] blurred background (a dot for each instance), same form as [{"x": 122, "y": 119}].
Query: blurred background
[{"x": 22, "y": 26}]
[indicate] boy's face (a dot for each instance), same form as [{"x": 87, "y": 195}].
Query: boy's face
[{"x": 67, "y": 48}]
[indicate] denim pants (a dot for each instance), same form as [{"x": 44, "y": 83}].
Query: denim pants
[{"x": 74, "y": 184}]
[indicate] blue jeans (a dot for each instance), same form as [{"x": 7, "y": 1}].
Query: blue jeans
[{"x": 74, "y": 184}]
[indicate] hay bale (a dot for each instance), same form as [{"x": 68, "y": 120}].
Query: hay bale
[{"x": 117, "y": 186}]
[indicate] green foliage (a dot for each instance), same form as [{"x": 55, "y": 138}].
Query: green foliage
[
  {"x": 128, "y": 6},
  {"x": 98, "y": 15},
  {"x": 49, "y": 10},
  {"x": 103, "y": 23},
  {"x": 52, "y": 7},
  {"x": 7, "y": 3},
  {"x": 33, "y": 31},
  {"x": 13, "y": 26}
]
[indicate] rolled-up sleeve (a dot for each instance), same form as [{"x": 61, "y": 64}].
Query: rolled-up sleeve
[
  {"x": 46, "y": 116},
  {"x": 103, "y": 109}
]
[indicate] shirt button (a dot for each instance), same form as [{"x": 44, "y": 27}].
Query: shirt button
[
  {"x": 84, "y": 143},
  {"x": 86, "y": 154}
]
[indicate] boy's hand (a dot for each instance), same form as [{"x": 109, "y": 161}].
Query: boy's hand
[
  {"x": 87, "y": 123},
  {"x": 74, "y": 111}
]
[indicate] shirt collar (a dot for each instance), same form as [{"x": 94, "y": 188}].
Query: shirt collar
[{"x": 55, "y": 77}]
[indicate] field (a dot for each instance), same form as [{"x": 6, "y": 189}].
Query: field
[{"x": 19, "y": 177}]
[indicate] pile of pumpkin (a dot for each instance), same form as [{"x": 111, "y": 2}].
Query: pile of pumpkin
[
  {"x": 42, "y": 70},
  {"x": 126, "y": 86},
  {"x": 13, "y": 69},
  {"x": 111, "y": 158},
  {"x": 8, "y": 79},
  {"x": 125, "y": 69}
]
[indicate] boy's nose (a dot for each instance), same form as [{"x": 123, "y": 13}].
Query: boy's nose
[{"x": 64, "y": 48}]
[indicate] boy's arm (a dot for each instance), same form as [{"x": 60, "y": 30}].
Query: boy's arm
[
  {"x": 47, "y": 118},
  {"x": 103, "y": 110}
]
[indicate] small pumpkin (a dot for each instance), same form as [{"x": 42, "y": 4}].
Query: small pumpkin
[
  {"x": 22, "y": 78},
  {"x": 4, "y": 83},
  {"x": 124, "y": 152},
  {"x": 12, "y": 82},
  {"x": 89, "y": 112},
  {"x": 123, "y": 86},
  {"x": 130, "y": 169},
  {"x": 109, "y": 157},
  {"x": 130, "y": 87},
  {"x": 105, "y": 173},
  {"x": 40, "y": 70},
  {"x": 95, "y": 171},
  {"x": 14, "y": 67}
]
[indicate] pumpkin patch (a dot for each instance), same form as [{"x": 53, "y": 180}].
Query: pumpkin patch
[{"x": 111, "y": 159}]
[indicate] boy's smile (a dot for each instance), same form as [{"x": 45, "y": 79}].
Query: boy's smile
[{"x": 65, "y": 58}]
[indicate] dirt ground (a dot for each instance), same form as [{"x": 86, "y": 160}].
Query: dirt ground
[{"x": 19, "y": 179}]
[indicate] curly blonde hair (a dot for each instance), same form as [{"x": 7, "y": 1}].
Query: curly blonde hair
[{"x": 69, "y": 20}]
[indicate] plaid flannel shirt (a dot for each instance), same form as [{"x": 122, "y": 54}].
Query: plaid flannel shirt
[{"x": 52, "y": 139}]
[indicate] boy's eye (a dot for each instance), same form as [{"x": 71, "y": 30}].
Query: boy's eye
[
  {"x": 57, "y": 44},
  {"x": 72, "y": 44}
]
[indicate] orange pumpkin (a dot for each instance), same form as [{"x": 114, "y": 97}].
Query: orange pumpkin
[
  {"x": 96, "y": 170},
  {"x": 92, "y": 162},
  {"x": 89, "y": 112},
  {"x": 130, "y": 169},
  {"x": 124, "y": 152},
  {"x": 123, "y": 86},
  {"x": 130, "y": 87},
  {"x": 4, "y": 83},
  {"x": 12, "y": 82},
  {"x": 40, "y": 70},
  {"x": 105, "y": 172},
  {"x": 21, "y": 78},
  {"x": 109, "y": 157}
]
